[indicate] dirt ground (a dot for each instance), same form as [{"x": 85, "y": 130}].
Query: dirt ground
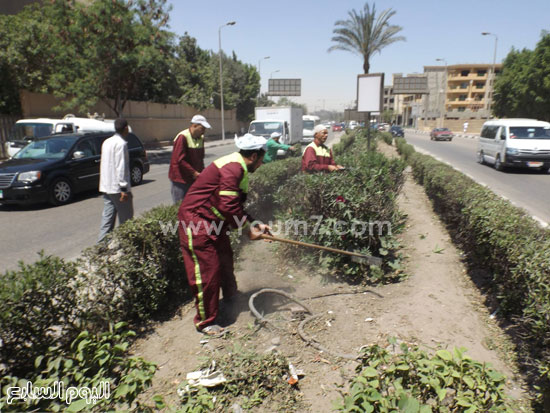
[{"x": 436, "y": 306}]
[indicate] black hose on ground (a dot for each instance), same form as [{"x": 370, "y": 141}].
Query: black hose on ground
[{"x": 312, "y": 342}]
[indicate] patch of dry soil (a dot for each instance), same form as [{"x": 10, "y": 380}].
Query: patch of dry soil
[{"x": 437, "y": 305}]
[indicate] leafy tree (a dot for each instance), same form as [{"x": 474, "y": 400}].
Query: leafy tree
[
  {"x": 264, "y": 101},
  {"x": 523, "y": 87},
  {"x": 364, "y": 33},
  {"x": 387, "y": 115},
  {"x": 284, "y": 101},
  {"x": 195, "y": 75}
]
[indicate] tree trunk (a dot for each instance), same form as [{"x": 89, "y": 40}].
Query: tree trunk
[{"x": 366, "y": 65}]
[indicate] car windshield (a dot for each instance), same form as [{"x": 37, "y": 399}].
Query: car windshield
[
  {"x": 23, "y": 131},
  {"x": 308, "y": 124},
  {"x": 528, "y": 132},
  {"x": 265, "y": 128},
  {"x": 54, "y": 148}
]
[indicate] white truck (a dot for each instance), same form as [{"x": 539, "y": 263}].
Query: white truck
[
  {"x": 284, "y": 119},
  {"x": 26, "y": 130},
  {"x": 309, "y": 122}
]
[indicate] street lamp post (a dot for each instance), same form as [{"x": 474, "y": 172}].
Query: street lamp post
[
  {"x": 260, "y": 72},
  {"x": 221, "y": 74},
  {"x": 492, "y": 77},
  {"x": 442, "y": 114},
  {"x": 271, "y": 75}
]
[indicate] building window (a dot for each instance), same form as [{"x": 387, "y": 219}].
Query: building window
[
  {"x": 464, "y": 73},
  {"x": 481, "y": 72},
  {"x": 464, "y": 85},
  {"x": 462, "y": 98},
  {"x": 480, "y": 85},
  {"x": 462, "y": 109}
]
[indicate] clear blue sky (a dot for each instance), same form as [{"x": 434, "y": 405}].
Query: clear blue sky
[{"x": 297, "y": 33}]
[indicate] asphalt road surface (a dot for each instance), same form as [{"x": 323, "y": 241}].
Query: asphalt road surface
[
  {"x": 528, "y": 189},
  {"x": 66, "y": 230}
]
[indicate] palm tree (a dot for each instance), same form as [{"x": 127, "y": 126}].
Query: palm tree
[{"x": 364, "y": 33}]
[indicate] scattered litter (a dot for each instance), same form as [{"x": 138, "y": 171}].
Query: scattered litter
[
  {"x": 293, "y": 379},
  {"x": 236, "y": 408},
  {"x": 276, "y": 341},
  {"x": 208, "y": 377},
  {"x": 290, "y": 276},
  {"x": 494, "y": 314},
  {"x": 203, "y": 341},
  {"x": 369, "y": 320},
  {"x": 328, "y": 323},
  {"x": 330, "y": 312}
]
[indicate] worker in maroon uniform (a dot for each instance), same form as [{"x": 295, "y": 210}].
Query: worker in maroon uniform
[
  {"x": 187, "y": 157},
  {"x": 317, "y": 156},
  {"x": 213, "y": 206}
]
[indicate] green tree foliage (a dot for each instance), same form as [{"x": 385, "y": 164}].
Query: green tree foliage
[
  {"x": 364, "y": 33},
  {"x": 264, "y": 101},
  {"x": 523, "y": 87},
  {"x": 114, "y": 51},
  {"x": 284, "y": 101}
]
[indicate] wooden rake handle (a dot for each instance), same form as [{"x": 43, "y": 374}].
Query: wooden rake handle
[{"x": 368, "y": 258}]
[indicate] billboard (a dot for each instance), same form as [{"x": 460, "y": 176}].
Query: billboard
[
  {"x": 284, "y": 87},
  {"x": 370, "y": 91},
  {"x": 410, "y": 85}
]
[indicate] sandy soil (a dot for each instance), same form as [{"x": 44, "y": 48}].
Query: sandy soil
[{"x": 437, "y": 305}]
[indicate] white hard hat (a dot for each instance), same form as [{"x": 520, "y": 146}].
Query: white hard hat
[
  {"x": 200, "y": 120},
  {"x": 250, "y": 142},
  {"x": 319, "y": 128},
  {"x": 275, "y": 135}
]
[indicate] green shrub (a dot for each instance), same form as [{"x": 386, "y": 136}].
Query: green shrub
[
  {"x": 365, "y": 194},
  {"x": 94, "y": 361},
  {"x": 138, "y": 272},
  {"x": 411, "y": 380},
  {"x": 37, "y": 307},
  {"x": 346, "y": 141},
  {"x": 387, "y": 137}
]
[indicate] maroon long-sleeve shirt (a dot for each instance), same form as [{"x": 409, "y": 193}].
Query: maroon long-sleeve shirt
[
  {"x": 187, "y": 157},
  {"x": 317, "y": 158},
  {"x": 219, "y": 193}
]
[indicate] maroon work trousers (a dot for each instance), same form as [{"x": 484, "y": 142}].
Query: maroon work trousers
[{"x": 208, "y": 259}]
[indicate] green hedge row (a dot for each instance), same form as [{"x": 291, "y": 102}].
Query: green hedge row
[
  {"x": 358, "y": 209},
  {"x": 500, "y": 238}
]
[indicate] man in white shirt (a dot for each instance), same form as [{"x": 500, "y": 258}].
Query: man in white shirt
[{"x": 114, "y": 179}]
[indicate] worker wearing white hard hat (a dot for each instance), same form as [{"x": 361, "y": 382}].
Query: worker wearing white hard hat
[
  {"x": 317, "y": 157},
  {"x": 213, "y": 205},
  {"x": 273, "y": 146}
]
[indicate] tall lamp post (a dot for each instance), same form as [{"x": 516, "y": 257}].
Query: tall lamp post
[
  {"x": 260, "y": 72},
  {"x": 492, "y": 77},
  {"x": 442, "y": 114},
  {"x": 271, "y": 75},
  {"x": 221, "y": 74}
]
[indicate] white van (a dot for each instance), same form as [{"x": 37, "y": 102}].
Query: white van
[
  {"x": 521, "y": 143},
  {"x": 26, "y": 130}
]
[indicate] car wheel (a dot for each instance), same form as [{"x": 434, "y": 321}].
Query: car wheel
[
  {"x": 61, "y": 192},
  {"x": 498, "y": 164},
  {"x": 481, "y": 158},
  {"x": 136, "y": 175}
]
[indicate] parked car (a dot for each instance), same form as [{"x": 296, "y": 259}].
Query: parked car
[
  {"x": 54, "y": 168},
  {"x": 383, "y": 127},
  {"x": 521, "y": 143},
  {"x": 397, "y": 131},
  {"x": 337, "y": 127},
  {"x": 353, "y": 124},
  {"x": 441, "y": 134}
]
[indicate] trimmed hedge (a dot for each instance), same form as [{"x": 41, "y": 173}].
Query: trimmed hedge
[
  {"x": 502, "y": 239},
  {"x": 347, "y": 202}
]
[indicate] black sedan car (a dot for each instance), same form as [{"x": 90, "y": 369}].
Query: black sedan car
[
  {"x": 56, "y": 167},
  {"x": 397, "y": 131}
]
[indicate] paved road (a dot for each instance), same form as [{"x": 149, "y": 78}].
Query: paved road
[
  {"x": 65, "y": 231},
  {"x": 528, "y": 189}
]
